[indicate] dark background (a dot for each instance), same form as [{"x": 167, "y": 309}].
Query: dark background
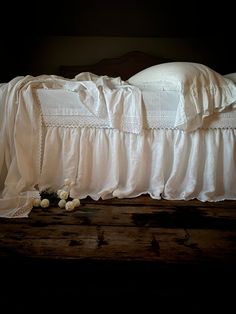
[{"x": 38, "y": 37}]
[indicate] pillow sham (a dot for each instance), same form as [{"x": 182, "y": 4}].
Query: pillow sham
[
  {"x": 231, "y": 76},
  {"x": 202, "y": 91}
]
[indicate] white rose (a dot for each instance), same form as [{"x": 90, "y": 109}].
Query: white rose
[
  {"x": 76, "y": 202},
  {"x": 62, "y": 203},
  {"x": 64, "y": 195},
  {"x": 36, "y": 202},
  {"x": 59, "y": 192},
  {"x": 45, "y": 203},
  {"x": 70, "y": 206}
]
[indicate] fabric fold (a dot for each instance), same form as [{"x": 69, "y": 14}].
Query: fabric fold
[
  {"x": 171, "y": 164},
  {"x": 113, "y": 152},
  {"x": 95, "y": 101}
]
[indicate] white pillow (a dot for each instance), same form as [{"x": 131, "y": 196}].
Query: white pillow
[
  {"x": 231, "y": 76},
  {"x": 202, "y": 91}
]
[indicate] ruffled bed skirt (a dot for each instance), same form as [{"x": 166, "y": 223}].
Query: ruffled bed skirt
[
  {"x": 167, "y": 163},
  {"x": 108, "y": 163}
]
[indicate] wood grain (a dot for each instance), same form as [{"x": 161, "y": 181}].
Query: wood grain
[
  {"x": 132, "y": 251},
  {"x": 138, "y": 229}
]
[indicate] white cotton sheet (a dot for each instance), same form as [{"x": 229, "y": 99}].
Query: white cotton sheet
[
  {"x": 63, "y": 107},
  {"x": 17, "y": 169},
  {"x": 106, "y": 161}
]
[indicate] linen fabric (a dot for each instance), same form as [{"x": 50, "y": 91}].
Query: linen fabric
[
  {"x": 202, "y": 91},
  {"x": 114, "y": 159}
]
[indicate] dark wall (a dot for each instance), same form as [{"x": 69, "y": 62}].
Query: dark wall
[
  {"x": 35, "y": 55},
  {"x": 39, "y": 37},
  {"x": 152, "y": 18}
]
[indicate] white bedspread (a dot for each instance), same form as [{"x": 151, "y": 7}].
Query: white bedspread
[{"x": 103, "y": 145}]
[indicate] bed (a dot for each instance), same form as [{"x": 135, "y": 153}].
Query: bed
[{"x": 133, "y": 133}]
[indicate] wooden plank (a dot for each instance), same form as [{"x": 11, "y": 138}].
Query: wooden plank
[
  {"x": 121, "y": 243},
  {"x": 138, "y": 229},
  {"x": 151, "y": 214}
]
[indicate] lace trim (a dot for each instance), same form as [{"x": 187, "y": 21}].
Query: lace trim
[
  {"x": 25, "y": 204},
  {"x": 23, "y": 211},
  {"x": 126, "y": 125},
  {"x": 41, "y": 135},
  {"x": 74, "y": 121}
]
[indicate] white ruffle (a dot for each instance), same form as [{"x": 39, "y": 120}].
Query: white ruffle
[{"x": 172, "y": 164}]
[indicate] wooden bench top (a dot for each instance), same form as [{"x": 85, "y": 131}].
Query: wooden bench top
[
  {"x": 138, "y": 229},
  {"x": 126, "y": 249}
]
